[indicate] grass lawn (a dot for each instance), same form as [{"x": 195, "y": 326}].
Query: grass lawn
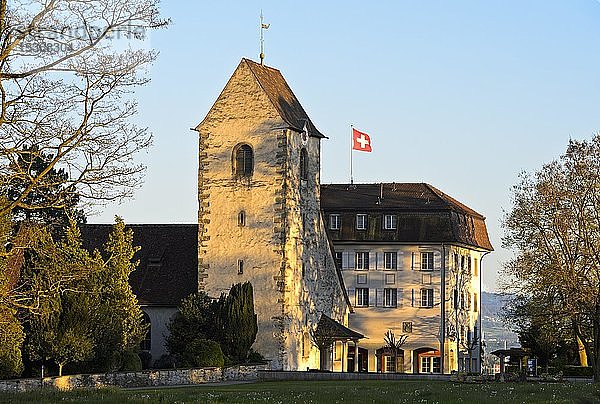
[{"x": 331, "y": 392}]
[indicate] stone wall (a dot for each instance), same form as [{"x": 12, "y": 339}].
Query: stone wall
[{"x": 150, "y": 378}]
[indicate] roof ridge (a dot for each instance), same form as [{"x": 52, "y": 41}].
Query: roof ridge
[{"x": 453, "y": 202}]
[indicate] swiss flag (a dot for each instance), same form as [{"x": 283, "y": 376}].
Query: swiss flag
[{"x": 361, "y": 141}]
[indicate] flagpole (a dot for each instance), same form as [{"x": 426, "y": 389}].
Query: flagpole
[{"x": 351, "y": 145}]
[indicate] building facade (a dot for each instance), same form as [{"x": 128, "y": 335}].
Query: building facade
[{"x": 410, "y": 257}]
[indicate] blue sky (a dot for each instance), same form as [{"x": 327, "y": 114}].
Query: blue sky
[{"x": 463, "y": 95}]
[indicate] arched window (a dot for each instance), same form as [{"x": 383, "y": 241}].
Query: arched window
[
  {"x": 243, "y": 161},
  {"x": 146, "y": 344},
  {"x": 303, "y": 164}
]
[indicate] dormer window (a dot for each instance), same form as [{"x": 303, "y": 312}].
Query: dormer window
[
  {"x": 390, "y": 222},
  {"x": 361, "y": 221},
  {"x": 243, "y": 161},
  {"x": 335, "y": 221}
]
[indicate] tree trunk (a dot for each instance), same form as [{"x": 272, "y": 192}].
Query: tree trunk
[
  {"x": 582, "y": 355},
  {"x": 60, "y": 367}
]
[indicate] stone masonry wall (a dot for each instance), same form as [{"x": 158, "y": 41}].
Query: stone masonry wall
[
  {"x": 150, "y": 378},
  {"x": 244, "y": 114}
]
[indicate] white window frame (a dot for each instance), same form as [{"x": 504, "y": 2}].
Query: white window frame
[
  {"x": 427, "y": 298},
  {"x": 335, "y": 221},
  {"x": 361, "y": 221},
  {"x": 425, "y": 364},
  {"x": 362, "y": 297},
  {"x": 392, "y": 261},
  {"x": 427, "y": 261},
  {"x": 390, "y": 364},
  {"x": 361, "y": 260},
  {"x": 390, "y": 297},
  {"x": 390, "y": 222}
]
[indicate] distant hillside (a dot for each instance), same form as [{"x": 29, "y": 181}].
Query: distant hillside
[{"x": 496, "y": 332}]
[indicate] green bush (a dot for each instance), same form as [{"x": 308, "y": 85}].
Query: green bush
[
  {"x": 255, "y": 357},
  {"x": 11, "y": 340},
  {"x": 203, "y": 353},
  {"x": 131, "y": 361}
]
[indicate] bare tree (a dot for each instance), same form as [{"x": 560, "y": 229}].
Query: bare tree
[
  {"x": 394, "y": 344},
  {"x": 554, "y": 227},
  {"x": 65, "y": 92}
]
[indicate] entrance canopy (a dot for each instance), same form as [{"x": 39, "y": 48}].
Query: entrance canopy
[{"x": 330, "y": 329}]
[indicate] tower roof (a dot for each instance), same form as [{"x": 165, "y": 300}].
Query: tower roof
[{"x": 281, "y": 96}]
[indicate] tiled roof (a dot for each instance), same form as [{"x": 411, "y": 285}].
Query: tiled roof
[
  {"x": 425, "y": 214},
  {"x": 282, "y": 97},
  {"x": 168, "y": 260},
  {"x": 329, "y": 328}
]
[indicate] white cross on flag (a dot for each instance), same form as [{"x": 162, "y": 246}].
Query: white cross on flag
[{"x": 361, "y": 141}]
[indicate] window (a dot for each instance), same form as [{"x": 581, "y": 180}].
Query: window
[
  {"x": 427, "y": 261},
  {"x": 243, "y": 163},
  {"x": 390, "y": 222},
  {"x": 475, "y": 267},
  {"x": 362, "y": 297},
  {"x": 361, "y": 260},
  {"x": 240, "y": 266},
  {"x": 390, "y": 279},
  {"x": 390, "y": 260},
  {"x": 407, "y": 327},
  {"x": 338, "y": 259},
  {"x": 425, "y": 368},
  {"x": 462, "y": 300},
  {"x": 334, "y": 221},
  {"x": 361, "y": 279},
  {"x": 390, "y": 297},
  {"x": 469, "y": 265},
  {"x": 361, "y": 222},
  {"x": 242, "y": 218},
  {"x": 390, "y": 364},
  {"x": 303, "y": 269},
  {"x": 426, "y": 297},
  {"x": 437, "y": 362},
  {"x": 455, "y": 299},
  {"x": 303, "y": 165},
  {"x": 475, "y": 302}
]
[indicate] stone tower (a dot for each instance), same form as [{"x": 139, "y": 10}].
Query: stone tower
[{"x": 259, "y": 213}]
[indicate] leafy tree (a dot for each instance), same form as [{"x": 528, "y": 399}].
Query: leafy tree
[
  {"x": 229, "y": 320},
  {"x": 11, "y": 341},
  {"x": 66, "y": 93},
  {"x": 554, "y": 227},
  {"x": 196, "y": 318},
  {"x": 60, "y": 331}
]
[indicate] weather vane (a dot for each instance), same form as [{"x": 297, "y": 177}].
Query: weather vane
[{"x": 263, "y": 27}]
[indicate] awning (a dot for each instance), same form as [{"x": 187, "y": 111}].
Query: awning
[{"x": 331, "y": 329}]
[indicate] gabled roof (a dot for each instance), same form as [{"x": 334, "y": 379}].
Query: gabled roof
[
  {"x": 329, "y": 328},
  {"x": 281, "y": 96},
  {"x": 425, "y": 214},
  {"x": 168, "y": 260}
]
